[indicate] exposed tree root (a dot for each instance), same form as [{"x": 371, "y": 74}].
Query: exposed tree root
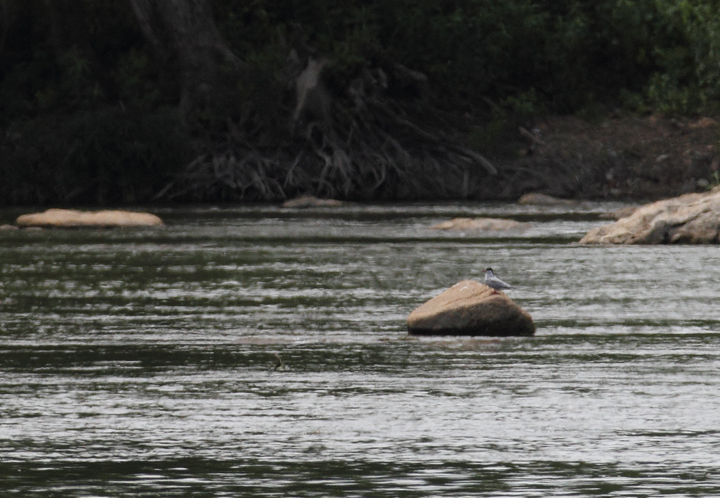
[{"x": 364, "y": 145}]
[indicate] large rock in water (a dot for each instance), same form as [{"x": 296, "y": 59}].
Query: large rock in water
[
  {"x": 68, "y": 218},
  {"x": 688, "y": 219},
  {"x": 470, "y": 308}
]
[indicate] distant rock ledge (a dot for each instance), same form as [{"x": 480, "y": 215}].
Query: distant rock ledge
[
  {"x": 688, "y": 219},
  {"x": 69, "y": 218},
  {"x": 489, "y": 224},
  {"x": 537, "y": 199},
  {"x": 308, "y": 201},
  {"x": 473, "y": 309}
]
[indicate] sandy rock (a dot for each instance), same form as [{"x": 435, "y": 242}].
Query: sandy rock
[
  {"x": 470, "y": 308},
  {"x": 493, "y": 224},
  {"x": 536, "y": 199},
  {"x": 8, "y": 227},
  {"x": 307, "y": 201},
  {"x": 67, "y": 218},
  {"x": 688, "y": 219},
  {"x": 620, "y": 213}
]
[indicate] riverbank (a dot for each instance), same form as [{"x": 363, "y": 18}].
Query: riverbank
[
  {"x": 622, "y": 158},
  {"x": 616, "y": 157}
]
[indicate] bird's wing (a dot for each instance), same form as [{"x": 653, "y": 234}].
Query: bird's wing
[{"x": 501, "y": 284}]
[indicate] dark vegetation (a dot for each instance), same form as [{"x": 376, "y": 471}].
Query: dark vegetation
[{"x": 110, "y": 103}]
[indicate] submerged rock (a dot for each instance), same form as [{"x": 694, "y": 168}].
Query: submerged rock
[
  {"x": 491, "y": 224},
  {"x": 307, "y": 201},
  {"x": 536, "y": 199},
  {"x": 8, "y": 227},
  {"x": 688, "y": 219},
  {"x": 69, "y": 218},
  {"x": 470, "y": 308}
]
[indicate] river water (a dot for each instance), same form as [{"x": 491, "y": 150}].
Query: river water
[{"x": 251, "y": 351}]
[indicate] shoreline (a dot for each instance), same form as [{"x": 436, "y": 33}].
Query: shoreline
[{"x": 629, "y": 159}]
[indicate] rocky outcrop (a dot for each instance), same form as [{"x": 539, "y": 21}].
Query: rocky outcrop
[
  {"x": 68, "y": 218},
  {"x": 688, "y": 219},
  {"x": 308, "y": 201},
  {"x": 535, "y": 199},
  {"x": 619, "y": 213},
  {"x": 470, "y": 308},
  {"x": 490, "y": 224}
]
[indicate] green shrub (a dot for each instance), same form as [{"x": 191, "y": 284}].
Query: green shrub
[
  {"x": 568, "y": 52},
  {"x": 688, "y": 79}
]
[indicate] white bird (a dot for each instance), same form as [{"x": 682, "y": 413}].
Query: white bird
[{"x": 495, "y": 283}]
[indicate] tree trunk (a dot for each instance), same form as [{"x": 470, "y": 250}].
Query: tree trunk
[{"x": 185, "y": 30}]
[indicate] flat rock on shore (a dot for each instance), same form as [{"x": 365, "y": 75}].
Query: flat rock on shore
[
  {"x": 688, "y": 219},
  {"x": 470, "y": 308},
  {"x": 69, "y": 218}
]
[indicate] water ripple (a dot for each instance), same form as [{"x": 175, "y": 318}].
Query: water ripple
[{"x": 255, "y": 351}]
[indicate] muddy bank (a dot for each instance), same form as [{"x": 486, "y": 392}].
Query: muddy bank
[
  {"x": 616, "y": 158},
  {"x": 632, "y": 157}
]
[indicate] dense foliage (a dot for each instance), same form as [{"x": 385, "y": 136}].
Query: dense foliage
[{"x": 83, "y": 65}]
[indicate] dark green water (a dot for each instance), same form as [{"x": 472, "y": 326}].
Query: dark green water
[{"x": 145, "y": 362}]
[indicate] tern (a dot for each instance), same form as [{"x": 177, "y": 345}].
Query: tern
[{"x": 495, "y": 283}]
